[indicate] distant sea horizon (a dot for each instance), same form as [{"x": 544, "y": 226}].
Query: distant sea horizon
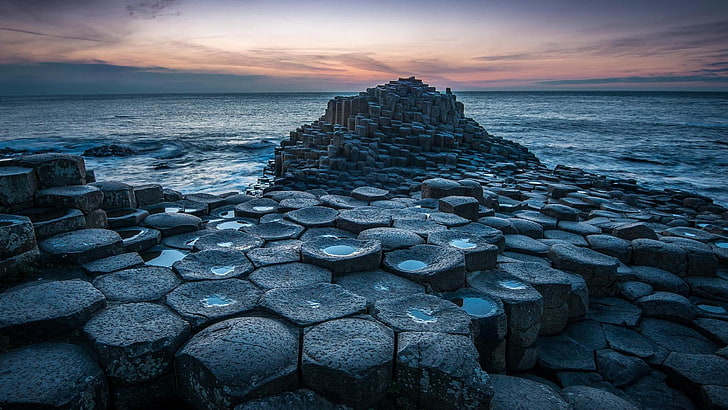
[{"x": 217, "y": 142}]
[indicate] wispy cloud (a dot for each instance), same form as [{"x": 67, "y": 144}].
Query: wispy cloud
[
  {"x": 151, "y": 9},
  {"x": 36, "y": 33},
  {"x": 639, "y": 80}
]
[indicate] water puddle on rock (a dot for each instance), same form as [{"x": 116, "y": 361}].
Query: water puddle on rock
[
  {"x": 512, "y": 284},
  {"x": 217, "y": 301},
  {"x": 722, "y": 245},
  {"x": 165, "y": 258},
  {"x": 719, "y": 310},
  {"x": 263, "y": 208},
  {"x": 222, "y": 269},
  {"x": 339, "y": 250},
  {"x": 225, "y": 244},
  {"x": 234, "y": 225},
  {"x": 131, "y": 235},
  {"x": 173, "y": 209},
  {"x": 192, "y": 241},
  {"x": 421, "y": 315},
  {"x": 476, "y": 306},
  {"x": 227, "y": 214},
  {"x": 313, "y": 304},
  {"x": 462, "y": 244},
  {"x": 411, "y": 265}
]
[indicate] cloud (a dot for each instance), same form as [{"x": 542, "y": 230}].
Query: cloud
[
  {"x": 36, "y": 33},
  {"x": 150, "y": 9},
  {"x": 508, "y": 57},
  {"x": 639, "y": 80}
]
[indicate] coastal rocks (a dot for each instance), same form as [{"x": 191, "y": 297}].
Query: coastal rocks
[
  {"x": 392, "y": 238},
  {"x": 585, "y": 397},
  {"x": 598, "y": 270},
  {"x": 658, "y": 254},
  {"x": 173, "y": 223},
  {"x": 422, "y": 313},
  {"x": 228, "y": 240},
  {"x": 19, "y": 249},
  {"x": 522, "y": 394},
  {"x": 479, "y": 252},
  {"x": 376, "y": 285},
  {"x": 17, "y": 188},
  {"x": 349, "y": 360},
  {"x": 313, "y": 216},
  {"x": 83, "y": 197},
  {"x": 342, "y": 255},
  {"x": 55, "y": 170},
  {"x": 236, "y": 360},
  {"x": 143, "y": 284},
  {"x": 464, "y": 206},
  {"x": 312, "y": 304},
  {"x": 202, "y": 302},
  {"x": 289, "y": 275},
  {"x": 117, "y": 195},
  {"x": 213, "y": 264},
  {"x": 696, "y": 370},
  {"x": 51, "y": 375},
  {"x": 112, "y": 150}
]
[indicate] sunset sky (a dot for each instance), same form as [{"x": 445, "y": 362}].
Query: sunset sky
[{"x": 133, "y": 46}]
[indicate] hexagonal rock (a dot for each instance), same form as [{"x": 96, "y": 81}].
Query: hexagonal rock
[
  {"x": 620, "y": 369},
  {"x": 464, "y": 206},
  {"x": 336, "y": 233},
  {"x": 312, "y": 304},
  {"x": 18, "y": 235},
  {"x": 228, "y": 240},
  {"x": 660, "y": 280},
  {"x": 420, "y": 227},
  {"x": 184, "y": 241},
  {"x": 313, "y": 216},
  {"x": 585, "y": 397},
  {"x": 84, "y": 197},
  {"x": 634, "y": 230},
  {"x": 348, "y": 360},
  {"x": 543, "y": 221},
  {"x": 17, "y": 187},
  {"x": 203, "y": 302},
  {"x": 515, "y": 393},
  {"x": 561, "y": 212},
  {"x": 377, "y": 284},
  {"x": 525, "y": 244},
  {"x": 136, "y": 342},
  {"x": 713, "y": 397},
  {"x": 212, "y": 201},
  {"x": 290, "y": 204},
  {"x": 449, "y": 220},
  {"x": 658, "y": 254},
  {"x": 51, "y": 375},
  {"x": 273, "y": 231},
  {"x": 139, "y": 239},
  {"x": 442, "y": 268},
  {"x": 342, "y": 202},
  {"x": 392, "y": 238},
  {"x": 611, "y": 246},
  {"x": 614, "y": 311},
  {"x": 83, "y": 245},
  {"x": 360, "y": 219},
  {"x": 48, "y": 222},
  {"x": 52, "y": 170},
  {"x": 116, "y": 195},
  {"x": 560, "y": 353},
  {"x": 652, "y": 392},
  {"x": 701, "y": 259},
  {"x": 342, "y": 255},
  {"x": 213, "y": 264},
  {"x": 563, "y": 236},
  {"x": 554, "y": 285},
  {"x": 598, "y": 270},
  {"x": 422, "y": 313},
  {"x": 255, "y": 208},
  {"x": 289, "y": 275},
  {"x": 367, "y": 193},
  {"x": 48, "y": 308},
  {"x": 441, "y": 371},
  {"x": 113, "y": 264},
  {"x": 579, "y": 228},
  {"x": 173, "y": 223},
  {"x": 236, "y": 360},
  {"x": 523, "y": 304},
  {"x": 668, "y": 306},
  {"x": 302, "y": 399},
  {"x": 120, "y": 218},
  {"x": 285, "y": 253},
  {"x": 675, "y": 337},
  {"x": 628, "y": 341},
  {"x": 479, "y": 253},
  {"x": 440, "y": 188},
  {"x": 143, "y": 284},
  {"x": 709, "y": 287},
  {"x": 148, "y": 194}
]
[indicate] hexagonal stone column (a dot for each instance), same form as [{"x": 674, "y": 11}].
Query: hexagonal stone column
[
  {"x": 51, "y": 375},
  {"x": 392, "y": 238},
  {"x": 213, "y": 264},
  {"x": 17, "y": 188},
  {"x": 422, "y": 313},
  {"x": 598, "y": 270},
  {"x": 18, "y": 249},
  {"x": 479, "y": 253},
  {"x": 228, "y": 240},
  {"x": 289, "y": 275},
  {"x": 299, "y": 399},
  {"x": 441, "y": 371},
  {"x": 311, "y": 304},
  {"x": 313, "y": 216},
  {"x": 47, "y": 309},
  {"x": 142, "y": 284},
  {"x": 464, "y": 206},
  {"x": 442, "y": 268},
  {"x": 237, "y": 360},
  {"x": 360, "y": 219},
  {"x": 173, "y": 223},
  {"x": 348, "y": 360},
  {"x": 84, "y": 197},
  {"x": 49, "y": 222},
  {"x": 515, "y": 392},
  {"x": 377, "y": 284},
  {"x": 116, "y": 195},
  {"x": 136, "y": 342},
  {"x": 53, "y": 169},
  {"x": 342, "y": 255},
  {"x": 255, "y": 208},
  {"x": 202, "y": 302},
  {"x": 83, "y": 245}
]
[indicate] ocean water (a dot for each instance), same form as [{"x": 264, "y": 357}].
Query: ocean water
[{"x": 217, "y": 142}]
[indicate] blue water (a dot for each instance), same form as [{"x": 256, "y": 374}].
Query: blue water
[{"x": 217, "y": 143}]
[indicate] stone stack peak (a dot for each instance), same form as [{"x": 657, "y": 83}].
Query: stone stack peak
[{"x": 393, "y": 135}]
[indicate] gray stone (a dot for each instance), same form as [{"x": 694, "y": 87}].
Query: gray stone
[
  {"x": 51, "y": 375},
  {"x": 634, "y": 230},
  {"x": 213, "y": 265},
  {"x": 342, "y": 255},
  {"x": 368, "y": 193},
  {"x": 598, "y": 270},
  {"x": 560, "y": 212},
  {"x": 236, "y": 360},
  {"x": 633, "y": 290},
  {"x": 49, "y": 222},
  {"x": 587, "y": 333},
  {"x": 231, "y": 224},
  {"x": 628, "y": 341},
  {"x": 715, "y": 288},
  {"x": 502, "y": 224},
  {"x": 143, "y": 284},
  {"x": 148, "y": 194},
  {"x": 203, "y": 302},
  {"x": 715, "y": 329},
  {"x": 313, "y": 216},
  {"x": 580, "y": 228},
  {"x": 289, "y": 275},
  {"x": 542, "y": 220},
  {"x": 713, "y": 397},
  {"x": 675, "y": 337},
  {"x": 479, "y": 253},
  {"x": 342, "y": 202},
  {"x": 422, "y": 313},
  {"x": 392, "y": 238},
  {"x": 136, "y": 342},
  {"x": 449, "y": 220},
  {"x": 48, "y": 308},
  {"x": 440, "y": 188},
  {"x": 212, "y": 201},
  {"x": 301, "y": 399},
  {"x": 614, "y": 311},
  {"x": 313, "y": 233},
  {"x": 121, "y": 218},
  {"x": 528, "y": 228},
  {"x": 463, "y": 206},
  {"x": 84, "y": 197},
  {"x": 611, "y": 246},
  {"x": 116, "y": 195},
  {"x": 419, "y": 226},
  {"x": 83, "y": 246},
  {"x": 587, "y": 398},
  {"x": 17, "y": 187},
  {"x": 515, "y": 393},
  {"x": 349, "y": 360},
  {"x": 255, "y": 208},
  {"x": 377, "y": 284},
  {"x": 139, "y": 239},
  {"x": 272, "y": 231},
  {"x": 173, "y": 223},
  {"x": 557, "y": 353},
  {"x": 275, "y": 255},
  {"x": 441, "y": 371},
  {"x": 658, "y": 254},
  {"x": 620, "y": 369},
  {"x": 113, "y": 264},
  {"x": 525, "y": 244},
  {"x": 442, "y": 268},
  {"x": 660, "y": 280},
  {"x": 312, "y": 304},
  {"x": 228, "y": 240},
  {"x": 53, "y": 169},
  {"x": 652, "y": 393},
  {"x": 360, "y": 219},
  {"x": 668, "y": 306},
  {"x": 701, "y": 259},
  {"x": 566, "y": 237},
  {"x": 691, "y": 371}
]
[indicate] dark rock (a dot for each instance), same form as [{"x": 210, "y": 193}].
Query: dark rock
[
  {"x": 587, "y": 398},
  {"x": 231, "y": 224},
  {"x": 342, "y": 255},
  {"x": 313, "y": 216},
  {"x": 144, "y": 284},
  {"x": 525, "y": 244},
  {"x": 17, "y": 188},
  {"x": 614, "y": 311},
  {"x": 148, "y": 194},
  {"x": 421, "y": 227},
  {"x": 504, "y": 225},
  {"x": 289, "y": 275},
  {"x": 49, "y": 222},
  {"x": 620, "y": 369},
  {"x": 651, "y": 392},
  {"x": 54, "y": 170},
  {"x": 560, "y": 352},
  {"x": 113, "y": 263},
  {"x": 627, "y": 341},
  {"x": 349, "y": 360},
  {"x": 212, "y": 201},
  {"x": 377, "y": 284},
  {"x": 440, "y": 188},
  {"x": 48, "y": 308},
  {"x": 527, "y": 228},
  {"x": 422, "y": 313},
  {"x": 272, "y": 231},
  {"x": 121, "y": 218},
  {"x": 709, "y": 287},
  {"x": 701, "y": 259},
  {"x": 515, "y": 393},
  {"x": 136, "y": 342},
  {"x": 185, "y": 241},
  {"x": 580, "y": 228},
  {"x": 117, "y": 195},
  {"x": 541, "y": 220},
  {"x": 335, "y": 233},
  {"x": 312, "y": 304},
  {"x": 51, "y": 375},
  {"x": 634, "y": 290},
  {"x": 634, "y": 230},
  {"x": 392, "y": 238},
  {"x": 275, "y": 255},
  {"x": 367, "y": 193},
  {"x": 658, "y": 254},
  {"x": 441, "y": 371},
  {"x": 18, "y": 238},
  {"x": 668, "y": 306},
  {"x": 660, "y": 280},
  {"x": 301, "y": 399},
  {"x": 173, "y": 223},
  {"x": 112, "y": 150},
  {"x": 449, "y": 220},
  {"x": 560, "y": 212},
  {"x": 691, "y": 371},
  {"x": 463, "y": 206},
  {"x": 84, "y": 197},
  {"x": 228, "y": 240},
  {"x": 479, "y": 253},
  {"x": 611, "y": 246},
  {"x": 236, "y": 360},
  {"x": 713, "y": 397},
  {"x": 676, "y": 338},
  {"x": 587, "y": 333},
  {"x": 255, "y": 208},
  {"x": 598, "y": 270},
  {"x": 213, "y": 265},
  {"x": 565, "y": 237},
  {"x": 442, "y": 268},
  {"x": 203, "y": 302},
  {"x": 342, "y": 202},
  {"x": 715, "y": 329},
  {"x": 139, "y": 239}
]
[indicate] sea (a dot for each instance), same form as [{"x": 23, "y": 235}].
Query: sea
[{"x": 218, "y": 143}]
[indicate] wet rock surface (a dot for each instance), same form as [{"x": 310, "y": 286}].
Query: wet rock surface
[{"x": 393, "y": 216}]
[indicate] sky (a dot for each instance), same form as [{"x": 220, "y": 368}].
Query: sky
[{"x": 160, "y": 46}]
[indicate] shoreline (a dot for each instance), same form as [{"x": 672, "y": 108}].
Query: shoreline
[{"x": 515, "y": 282}]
